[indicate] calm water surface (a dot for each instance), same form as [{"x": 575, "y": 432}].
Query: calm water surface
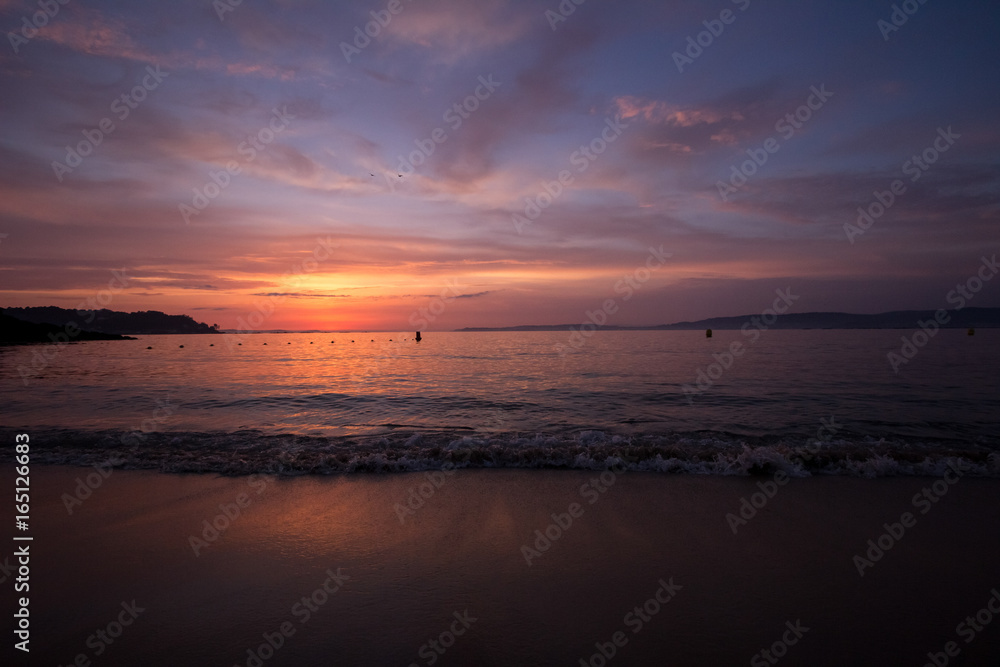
[{"x": 343, "y": 388}]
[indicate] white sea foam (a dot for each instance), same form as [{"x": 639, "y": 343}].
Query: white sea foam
[{"x": 248, "y": 452}]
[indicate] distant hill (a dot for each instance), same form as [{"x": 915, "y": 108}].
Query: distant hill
[
  {"x": 983, "y": 318},
  {"x": 112, "y": 321},
  {"x": 15, "y": 331}
]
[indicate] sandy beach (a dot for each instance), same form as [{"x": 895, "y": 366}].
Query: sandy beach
[{"x": 433, "y": 568}]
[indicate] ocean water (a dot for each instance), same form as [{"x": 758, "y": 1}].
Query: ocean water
[{"x": 807, "y": 402}]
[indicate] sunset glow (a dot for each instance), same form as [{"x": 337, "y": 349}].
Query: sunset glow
[{"x": 259, "y": 158}]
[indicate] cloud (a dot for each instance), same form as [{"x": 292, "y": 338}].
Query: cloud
[
  {"x": 672, "y": 135},
  {"x": 658, "y": 112},
  {"x": 91, "y": 32},
  {"x": 304, "y": 295},
  {"x": 453, "y": 30},
  {"x": 451, "y": 219},
  {"x": 525, "y": 105}
]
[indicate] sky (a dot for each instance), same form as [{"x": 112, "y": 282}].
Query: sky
[{"x": 439, "y": 164}]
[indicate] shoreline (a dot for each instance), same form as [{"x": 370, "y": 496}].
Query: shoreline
[{"x": 248, "y": 452}]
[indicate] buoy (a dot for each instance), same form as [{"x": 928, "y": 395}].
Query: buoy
[
  {"x": 150, "y": 347},
  {"x": 310, "y": 342},
  {"x": 182, "y": 347},
  {"x": 418, "y": 337},
  {"x": 239, "y": 343},
  {"x": 708, "y": 333},
  {"x": 211, "y": 344},
  {"x": 972, "y": 332},
  {"x": 265, "y": 343},
  {"x": 289, "y": 343}
]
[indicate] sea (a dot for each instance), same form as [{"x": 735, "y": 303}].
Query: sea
[{"x": 864, "y": 403}]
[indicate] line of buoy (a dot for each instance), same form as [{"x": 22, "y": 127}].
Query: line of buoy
[{"x": 708, "y": 334}]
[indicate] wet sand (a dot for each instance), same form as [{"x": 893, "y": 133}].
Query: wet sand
[{"x": 378, "y": 590}]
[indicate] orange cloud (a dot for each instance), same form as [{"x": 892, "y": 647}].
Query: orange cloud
[{"x": 663, "y": 113}]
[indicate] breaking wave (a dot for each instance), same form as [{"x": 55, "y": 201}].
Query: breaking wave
[{"x": 704, "y": 453}]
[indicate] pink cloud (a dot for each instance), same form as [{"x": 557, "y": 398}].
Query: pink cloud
[
  {"x": 663, "y": 113},
  {"x": 457, "y": 29},
  {"x": 92, "y": 33}
]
